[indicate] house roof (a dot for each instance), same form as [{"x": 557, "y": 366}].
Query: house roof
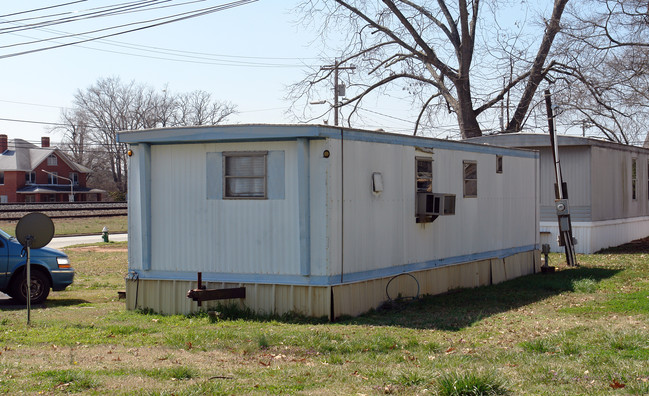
[
  {"x": 276, "y": 132},
  {"x": 537, "y": 140},
  {"x": 52, "y": 189},
  {"x": 22, "y": 155}
]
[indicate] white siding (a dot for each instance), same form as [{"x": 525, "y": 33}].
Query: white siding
[
  {"x": 612, "y": 185},
  {"x": 380, "y": 230},
  {"x": 193, "y": 233}
]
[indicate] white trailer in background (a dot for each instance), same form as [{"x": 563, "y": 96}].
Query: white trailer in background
[
  {"x": 318, "y": 219},
  {"x": 608, "y": 188}
]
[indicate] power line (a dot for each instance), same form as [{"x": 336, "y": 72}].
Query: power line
[
  {"x": 42, "y": 8},
  {"x": 162, "y": 21}
]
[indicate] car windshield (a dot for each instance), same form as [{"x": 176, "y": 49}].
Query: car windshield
[{"x": 5, "y": 235}]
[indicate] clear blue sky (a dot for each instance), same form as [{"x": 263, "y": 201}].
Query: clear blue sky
[
  {"x": 263, "y": 51},
  {"x": 246, "y": 55}
]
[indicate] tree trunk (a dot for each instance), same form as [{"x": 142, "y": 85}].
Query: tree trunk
[
  {"x": 536, "y": 72},
  {"x": 466, "y": 116}
]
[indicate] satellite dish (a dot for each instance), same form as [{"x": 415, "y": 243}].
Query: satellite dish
[{"x": 35, "y": 230}]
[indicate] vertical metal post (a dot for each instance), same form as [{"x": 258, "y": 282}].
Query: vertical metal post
[
  {"x": 28, "y": 280},
  {"x": 561, "y": 191},
  {"x": 336, "y": 93}
]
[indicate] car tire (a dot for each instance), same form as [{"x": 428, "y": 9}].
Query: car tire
[{"x": 40, "y": 287}]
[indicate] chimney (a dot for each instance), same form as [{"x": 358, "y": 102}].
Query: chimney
[
  {"x": 3, "y": 143},
  {"x": 45, "y": 142}
]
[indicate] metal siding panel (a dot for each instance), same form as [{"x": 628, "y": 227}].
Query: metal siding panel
[
  {"x": 380, "y": 229},
  {"x": 373, "y": 221},
  {"x": 319, "y": 171},
  {"x": 236, "y": 236},
  {"x": 612, "y": 186}
]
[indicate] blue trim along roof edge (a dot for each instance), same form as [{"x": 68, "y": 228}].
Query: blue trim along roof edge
[{"x": 276, "y": 132}]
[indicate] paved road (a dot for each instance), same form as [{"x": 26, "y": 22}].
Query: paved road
[{"x": 61, "y": 242}]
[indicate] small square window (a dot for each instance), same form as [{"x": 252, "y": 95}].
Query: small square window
[
  {"x": 30, "y": 177},
  {"x": 499, "y": 164},
  {"x": 245, "y": 175},
  {"x": 470, "y": 179},
  {"x": 424, "y": 174}
]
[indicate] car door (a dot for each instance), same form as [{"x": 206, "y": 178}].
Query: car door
[{"x": 4, "y": 262}]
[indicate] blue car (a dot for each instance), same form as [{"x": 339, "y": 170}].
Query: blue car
[{"x": 50, "y": 269}]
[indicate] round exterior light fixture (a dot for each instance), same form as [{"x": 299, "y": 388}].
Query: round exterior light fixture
[
  {"x": 326, "y": 153},
  {"x": 130, "y": 153}
]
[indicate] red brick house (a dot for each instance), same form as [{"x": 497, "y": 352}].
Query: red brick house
[{"x": 29, "y": 173}]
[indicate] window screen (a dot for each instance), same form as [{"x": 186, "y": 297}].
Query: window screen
[
  {"x": 470, "y": 179},
  {"x": 245, "y": 175}
]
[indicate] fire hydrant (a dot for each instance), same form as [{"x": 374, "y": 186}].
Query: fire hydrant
[{"x": 104, "y": 234}]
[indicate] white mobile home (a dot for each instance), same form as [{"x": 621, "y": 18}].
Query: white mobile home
[
  {"x": 608, "y": 188},
  {"x": 319, "y": 219}
]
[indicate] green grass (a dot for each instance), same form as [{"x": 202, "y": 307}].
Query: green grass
[
  {"x": 470, "y": 384},
  {"x": 78, "y": 226},
  {"x": 578, "y": 331}
]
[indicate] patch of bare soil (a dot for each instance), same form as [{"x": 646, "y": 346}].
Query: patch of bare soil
[{"x": 637, "y": 246}]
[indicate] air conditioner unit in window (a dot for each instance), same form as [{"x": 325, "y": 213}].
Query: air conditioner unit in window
[{"x": 435, "y": 204}]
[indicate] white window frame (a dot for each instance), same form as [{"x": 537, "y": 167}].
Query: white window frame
[
  {"x": 53, "y": 178},
  {"x": 52, "y": 160},
  {"x": 30, "y": 177},
  {"x": 228, "y": 177},
  {"x": 466, "y": 180},
  {"x": 74, "y": 176}
]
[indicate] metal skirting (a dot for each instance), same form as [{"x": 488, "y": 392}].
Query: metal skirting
[{"x": 170, "y": 296}]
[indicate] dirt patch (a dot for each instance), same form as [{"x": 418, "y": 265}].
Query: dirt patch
[{"x": 637, "y": 246}]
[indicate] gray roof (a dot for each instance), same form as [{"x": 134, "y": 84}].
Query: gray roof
[
  {"x": 537, "y": 140},
  {"x": 22, "y": 155}
]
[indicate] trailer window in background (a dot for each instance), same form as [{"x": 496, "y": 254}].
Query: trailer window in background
[
  {"x": 470, "y": 179},
  {"x": 424, "y": 174},
  {"x": 499, "y": 164},
  {"x": 244, "y": 175},
  {"x": 634, "y": 178}
]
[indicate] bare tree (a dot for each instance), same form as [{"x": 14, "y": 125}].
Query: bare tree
[
  {"x": 429, "y": 49},
  {"x": 603, "y": 85},
  {"x": 198, "y": 108},
  {"x": 110, "y": 106}
]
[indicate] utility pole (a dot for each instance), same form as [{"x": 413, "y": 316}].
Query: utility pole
[
  {"x": 561, "y": 190},
  {"x": 338, "y": 89}
]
